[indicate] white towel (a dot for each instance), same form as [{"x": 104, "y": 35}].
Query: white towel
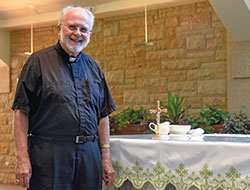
[{"x": 198, "y": 131}]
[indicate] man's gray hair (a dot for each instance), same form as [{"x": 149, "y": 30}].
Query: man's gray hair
[{"x": 68, "y": 8}]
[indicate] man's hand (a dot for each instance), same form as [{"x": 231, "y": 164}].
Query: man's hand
[
  {"x": 107, "y": 168},
  {"x": 23, "y": 171},
  {"x": 23, "y": 165},
  {"x": 108, "y": 172}
]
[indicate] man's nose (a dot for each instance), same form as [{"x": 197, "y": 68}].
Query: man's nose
[{"x": 77, "y": 32}]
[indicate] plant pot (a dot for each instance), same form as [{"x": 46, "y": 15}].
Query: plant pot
[
  {"x": 130, "y": 129},
  {"x": 217, "y": 127}
]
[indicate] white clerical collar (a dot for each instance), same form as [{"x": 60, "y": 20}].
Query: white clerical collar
[{"x": 72, "y": 59}]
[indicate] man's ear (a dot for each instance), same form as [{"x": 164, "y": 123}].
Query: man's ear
[{"x": 58, "y": 28}]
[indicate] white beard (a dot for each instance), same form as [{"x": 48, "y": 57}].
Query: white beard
[{"x": 74, "y": 48}]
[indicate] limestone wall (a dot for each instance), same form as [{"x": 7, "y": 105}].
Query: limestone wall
[{"x": 188, "y": 57}]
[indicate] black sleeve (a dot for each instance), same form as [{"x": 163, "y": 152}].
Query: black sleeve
[
  {"x": 108, "y": 103},
  {"x": 28, "y": 86}
]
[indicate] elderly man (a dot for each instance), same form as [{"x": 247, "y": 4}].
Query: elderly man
[{"x": 62, "y": 103}]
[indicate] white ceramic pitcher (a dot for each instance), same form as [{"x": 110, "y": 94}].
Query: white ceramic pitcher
[{"x": 163, "y": 128}]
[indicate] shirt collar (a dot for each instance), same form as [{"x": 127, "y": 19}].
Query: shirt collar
[{"x": 66, "y": 56}]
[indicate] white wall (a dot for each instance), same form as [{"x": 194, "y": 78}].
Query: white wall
[{"x": 238, "y": 56}]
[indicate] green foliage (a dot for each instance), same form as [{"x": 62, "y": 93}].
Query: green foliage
[
  {"x": 210, "y": 116},
  {"x": 177, "y": 108},
  {"x": 130, "y": 116},
  {"x": 237, "y": 123}
]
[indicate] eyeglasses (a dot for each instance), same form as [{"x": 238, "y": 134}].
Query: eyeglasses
[{"x": 74, "y": 28}]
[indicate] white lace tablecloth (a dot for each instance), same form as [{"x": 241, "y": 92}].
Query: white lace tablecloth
[{"x": 214, "y": 162}]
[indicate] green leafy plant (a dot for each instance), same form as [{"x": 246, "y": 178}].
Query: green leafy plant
[
  {"x": 211, "y": 115},
  {"x": 177, "y": 108},
  {"x": 130, "y": 116},
  {"x": 237, "y": 123}
]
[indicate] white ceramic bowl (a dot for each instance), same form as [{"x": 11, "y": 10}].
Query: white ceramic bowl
[{"x": 179, "y": 129}]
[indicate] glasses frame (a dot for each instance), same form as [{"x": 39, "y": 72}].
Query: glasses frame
[{"x": 73, "y": 28}]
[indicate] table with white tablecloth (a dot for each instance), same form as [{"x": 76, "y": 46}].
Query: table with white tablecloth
[{"x": 211, "y": 162}]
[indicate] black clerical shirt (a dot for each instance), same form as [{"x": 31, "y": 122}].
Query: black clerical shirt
[{"x": 61, "y": 97}]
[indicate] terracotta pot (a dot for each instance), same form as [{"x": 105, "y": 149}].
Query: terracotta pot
[
  {"x": 131, "y": 129},
  {"x": 217, "y": 127}
]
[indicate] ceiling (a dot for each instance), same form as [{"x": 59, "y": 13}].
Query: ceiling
[
  {"x": 17, "y": 13},
  {"x": 11, "y": 9}
]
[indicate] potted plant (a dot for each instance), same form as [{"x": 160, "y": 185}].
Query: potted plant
[
  {"x": 176, "y": 113},
  {"x": 210, "y": 119},
  {"x": 237, "y": 123},
  {"x": 129, "y": 121}
]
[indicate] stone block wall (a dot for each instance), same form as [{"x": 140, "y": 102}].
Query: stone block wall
[{"x": 188, "y": 57}]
